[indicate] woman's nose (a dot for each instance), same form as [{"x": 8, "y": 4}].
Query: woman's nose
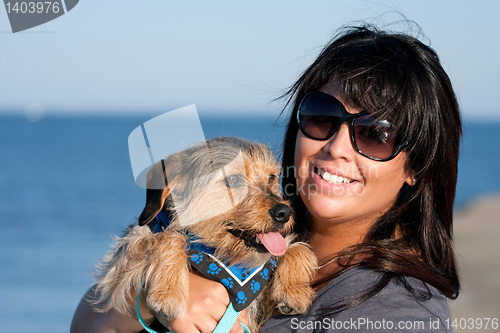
[{"x": 340, "y": 145}]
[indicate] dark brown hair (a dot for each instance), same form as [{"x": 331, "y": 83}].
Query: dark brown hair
[{"x": 395, "y": 77}]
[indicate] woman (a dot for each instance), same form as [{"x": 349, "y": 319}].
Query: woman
[
  {"x": 370, "y": 166},
  {"x": 376, "y": 191}
]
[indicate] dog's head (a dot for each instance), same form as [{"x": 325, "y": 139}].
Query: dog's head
[{"x": 225, "y": 192}]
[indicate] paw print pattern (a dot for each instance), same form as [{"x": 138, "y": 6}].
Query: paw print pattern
[
  {"x": 228, "y": 283},
  {"x": 197, "y": 257},
  {"x": 242, "y": 290},
  {"x": 213, "y": 269},
  {"x": 273, "y": 262},
  {"x": 265, "y": 274},
  {"x": 255, "y": 286},
  {"x": 241, "y": 297}
]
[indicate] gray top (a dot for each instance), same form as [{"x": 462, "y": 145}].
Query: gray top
[{"x": 393, "y": 309}]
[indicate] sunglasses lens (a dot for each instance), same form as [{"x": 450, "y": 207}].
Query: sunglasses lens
[
  {"x": 320, "y": 116},
  {"x": 375, "y": 138}
]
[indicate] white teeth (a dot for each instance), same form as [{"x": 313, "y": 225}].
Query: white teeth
[
  {"x": 333, "y": 179},
  {"x": 257, "y": 240}
]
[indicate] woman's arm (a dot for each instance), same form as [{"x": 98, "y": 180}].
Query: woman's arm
[
  {"x": 87, "y": 320},
  {"x": 208, "y": 300}
]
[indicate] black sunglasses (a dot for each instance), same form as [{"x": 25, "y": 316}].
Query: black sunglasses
[{"x": 320, "y": 116}]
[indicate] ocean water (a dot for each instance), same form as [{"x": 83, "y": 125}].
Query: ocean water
[{"x": 66, "y": 187}]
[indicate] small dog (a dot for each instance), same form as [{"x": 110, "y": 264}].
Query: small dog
[{"x": 248, "y": 232}]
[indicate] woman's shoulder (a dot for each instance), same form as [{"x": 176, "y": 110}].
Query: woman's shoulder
[
  {"x": 393, "y": 308},
  {"x": 397, "y": 295}
]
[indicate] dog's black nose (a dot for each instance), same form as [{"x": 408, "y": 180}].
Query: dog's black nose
[{"x": 280, "y": 213}]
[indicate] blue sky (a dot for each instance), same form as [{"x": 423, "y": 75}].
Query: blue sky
[{"x": 225, "y": 56}]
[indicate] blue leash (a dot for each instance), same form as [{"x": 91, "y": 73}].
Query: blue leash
[{"x": 225, "y": 324}]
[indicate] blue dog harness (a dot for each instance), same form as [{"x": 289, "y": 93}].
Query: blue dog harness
[{"x": 243, "y": 283}]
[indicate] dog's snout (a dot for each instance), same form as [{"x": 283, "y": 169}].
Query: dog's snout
[{"x": 280, "y": 213}]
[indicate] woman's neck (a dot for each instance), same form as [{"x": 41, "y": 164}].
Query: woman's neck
[{"x": 328, "y": 238}]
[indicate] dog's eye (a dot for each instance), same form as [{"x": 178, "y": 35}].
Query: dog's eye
[
  {"x": 272, "y": 178},
  {"x": 234, "y": 180}
]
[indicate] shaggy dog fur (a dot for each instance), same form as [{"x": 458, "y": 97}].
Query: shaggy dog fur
[{"x": 196, "y": 192}]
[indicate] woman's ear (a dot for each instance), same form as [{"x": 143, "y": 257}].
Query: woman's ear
[{"x": 411, "y": 180}]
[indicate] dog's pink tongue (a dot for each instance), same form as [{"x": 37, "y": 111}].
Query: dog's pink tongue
[{"x": 274, "y": 243}]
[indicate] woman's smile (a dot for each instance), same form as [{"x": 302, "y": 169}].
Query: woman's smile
[{"x": 333, "y": 180}]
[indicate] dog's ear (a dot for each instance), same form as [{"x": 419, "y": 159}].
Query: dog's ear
[
  {"x": 159, "y": 187},
  {"x": 155, "y": 200}
]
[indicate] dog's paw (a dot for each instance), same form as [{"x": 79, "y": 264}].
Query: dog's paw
[
  {"x": 292, "y": 291},
  {"x": 295, "y": 299},
  {"x": 167, "y": 308},
  {"x": 168, "y": 285}
]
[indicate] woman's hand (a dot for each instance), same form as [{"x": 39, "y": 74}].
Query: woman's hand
[{"x": 208, "y": 300}]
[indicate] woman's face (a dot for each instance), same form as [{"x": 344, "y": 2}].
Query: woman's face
[{"x": 337, "y": 184}]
